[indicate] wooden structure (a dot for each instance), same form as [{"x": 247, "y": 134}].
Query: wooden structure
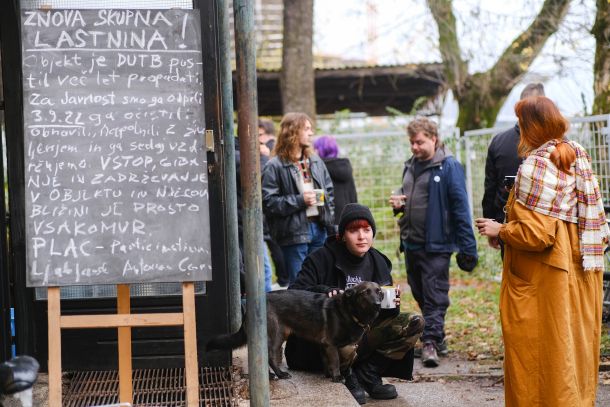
[
  {"x": 124, "y": 321},
  {"x": 359, "y": 89}
]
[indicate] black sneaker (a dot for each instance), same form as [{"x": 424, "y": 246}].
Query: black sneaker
[
  {"x": 353, "y": 385},
  {"x": 382, "y": 391},
  {"x": 429, "y": 357}
]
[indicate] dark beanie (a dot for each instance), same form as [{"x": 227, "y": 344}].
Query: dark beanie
[{"x": 354, "y": 211}]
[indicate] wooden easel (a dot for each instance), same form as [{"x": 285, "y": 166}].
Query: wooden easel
[{"x": 124, "y": 321}]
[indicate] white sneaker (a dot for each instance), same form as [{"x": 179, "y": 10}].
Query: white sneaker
[{"x": 276, "y": 287}]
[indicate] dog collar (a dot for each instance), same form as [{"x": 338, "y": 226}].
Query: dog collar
[{"x": 363, "y": 326}]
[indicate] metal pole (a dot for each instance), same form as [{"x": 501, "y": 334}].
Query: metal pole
[
  {"x": 469, "y": 173},
  {"x": 252, "y": 214},
  {"x": 230, "y": 185}
]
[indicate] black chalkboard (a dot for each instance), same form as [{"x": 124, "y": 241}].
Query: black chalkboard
[{"x": 115, "y": 165}]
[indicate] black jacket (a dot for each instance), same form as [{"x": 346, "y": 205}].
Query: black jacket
[
  {"x": 340, "y": 170},
  {"x": 284, "y": 205},
  {"x": 320, "y": 273},
  {"x": 502, "y": 160}
]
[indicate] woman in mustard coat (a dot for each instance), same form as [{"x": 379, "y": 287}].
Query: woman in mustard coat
[{"x": 554, "y": 236}]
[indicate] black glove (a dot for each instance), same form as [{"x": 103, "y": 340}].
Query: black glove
[{"x": 466, "y": 262}]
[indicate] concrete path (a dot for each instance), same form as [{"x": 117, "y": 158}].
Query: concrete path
[{"x": 455, "y": 383}]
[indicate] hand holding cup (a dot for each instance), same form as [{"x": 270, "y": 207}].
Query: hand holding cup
[
  {"x": 397, "y": 200},
  {"x": 488, "y": 227},
  {"x": 309, "y": 197}
]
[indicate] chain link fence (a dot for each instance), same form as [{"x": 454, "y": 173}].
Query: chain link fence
[{"x": 378, "y": 158}]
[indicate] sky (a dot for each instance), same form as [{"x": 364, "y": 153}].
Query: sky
[{"x": 405, "y": 32}]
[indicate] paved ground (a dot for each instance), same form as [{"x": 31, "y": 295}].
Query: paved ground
[{"x": 455, "y": 383}]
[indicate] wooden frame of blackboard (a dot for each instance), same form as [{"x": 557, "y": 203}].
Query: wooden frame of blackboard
[
  {"x": 124, "y": 321},
  {"x": 94, "y": 349}
]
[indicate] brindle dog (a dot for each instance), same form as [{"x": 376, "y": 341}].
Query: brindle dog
[{"x": 337, "y": 323}]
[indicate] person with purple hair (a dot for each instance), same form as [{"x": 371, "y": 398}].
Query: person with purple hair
[{"x": 340, "y": 170}]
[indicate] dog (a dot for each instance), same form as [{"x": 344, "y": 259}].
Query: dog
[{"x": 337, "y": 323}]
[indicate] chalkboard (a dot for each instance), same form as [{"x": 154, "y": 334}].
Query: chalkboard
[{"x": 115, "y": 166}]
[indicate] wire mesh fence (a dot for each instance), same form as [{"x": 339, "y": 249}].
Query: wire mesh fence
[{"x": 378, "y": 159}]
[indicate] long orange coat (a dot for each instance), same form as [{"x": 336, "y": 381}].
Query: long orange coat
[{"x": 551, "y": 313}]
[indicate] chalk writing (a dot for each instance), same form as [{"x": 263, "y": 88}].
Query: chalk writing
[{"x": 116, "y": 172}]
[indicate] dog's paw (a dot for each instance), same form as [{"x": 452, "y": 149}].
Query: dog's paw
[
  {"x": 284, "y": 375},
  {"x": 337, "y": 379}
]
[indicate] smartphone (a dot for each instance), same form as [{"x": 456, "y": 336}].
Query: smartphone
[{"x": 509, "y": 181}]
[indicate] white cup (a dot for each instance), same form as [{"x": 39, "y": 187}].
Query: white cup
[
  {"x": 319, "y": 197},
  {"x": 389, "y": 297}
]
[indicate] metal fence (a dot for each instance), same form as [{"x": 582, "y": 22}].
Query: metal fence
[
  {"x": 591, "y": 132},
  {"x": 378, "y": 159}
]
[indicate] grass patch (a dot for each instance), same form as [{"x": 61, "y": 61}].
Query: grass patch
[{"x": 472, "y": 324}]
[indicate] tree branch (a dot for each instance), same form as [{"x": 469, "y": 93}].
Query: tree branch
[
  {"x": 456, "y": 70},
  {"x": 519, "y": 55},
  {"x": 601, "y": 67}
]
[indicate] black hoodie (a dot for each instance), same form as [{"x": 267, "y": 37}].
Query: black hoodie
[{"x": 340, "y": 170}]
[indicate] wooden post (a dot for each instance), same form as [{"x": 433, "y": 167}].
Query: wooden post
[
  {"x": 124, "y": 321},
  {"x": 190, "y": 344},
  {"x": 54, "y": 315},
  {"x": 124, "y": 339}
]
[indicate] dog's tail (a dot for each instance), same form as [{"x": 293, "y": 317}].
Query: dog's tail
[{"x": 228, "y": 341}]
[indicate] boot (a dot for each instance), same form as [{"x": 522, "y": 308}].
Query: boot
[
  {"x": 353, "y": 385},
  {"x": 369, "y": 373}
]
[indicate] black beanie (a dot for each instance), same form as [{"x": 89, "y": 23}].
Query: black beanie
[{"x": 355, "y": 211}]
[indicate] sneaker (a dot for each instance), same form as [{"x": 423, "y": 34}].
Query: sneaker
[
  {"x": 276, "y": 287},
  {"x": 353, "y": 385},
  {"x": 442, "y": 348},
  {"x": 428, "y": 355}
]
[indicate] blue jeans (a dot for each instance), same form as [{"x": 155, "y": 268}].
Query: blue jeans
[
  {"x": 267, "y": 266},
  {"x": 295, "y": 254}
]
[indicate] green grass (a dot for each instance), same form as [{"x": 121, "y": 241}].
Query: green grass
[{"x": 472, "y": 323}]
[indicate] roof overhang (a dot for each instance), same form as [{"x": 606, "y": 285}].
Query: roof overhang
[{"x": 359, "y": 89}]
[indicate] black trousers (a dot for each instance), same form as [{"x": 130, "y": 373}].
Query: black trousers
[{"x": 428, "y": 277}]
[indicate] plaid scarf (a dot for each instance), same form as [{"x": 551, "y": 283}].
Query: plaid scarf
[{"x": 541, "y": 187}]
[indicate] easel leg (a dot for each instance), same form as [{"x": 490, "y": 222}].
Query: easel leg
[
  {"x": 190, "y": 345},
  {"x": 124, "y": 333},
  {"x": 54, "y": 319}
]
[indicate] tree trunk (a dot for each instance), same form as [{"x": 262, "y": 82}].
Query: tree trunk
[
  {"x": 297, "y": 85},
  {"x": 480, "y": 96},
  {"x": 601, "y": 68}
]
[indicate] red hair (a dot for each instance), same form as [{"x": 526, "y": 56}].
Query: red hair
[
  {"x": 540, "y": 121},
  {"x": 357, "y": 224}
]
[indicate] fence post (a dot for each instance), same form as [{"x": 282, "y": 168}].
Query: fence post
[{"x": 468, "y": 173}]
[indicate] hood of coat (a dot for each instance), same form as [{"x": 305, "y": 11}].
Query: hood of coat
[
  {"x": 339, "y": 169},
  {"x": 439, "y": 155}
]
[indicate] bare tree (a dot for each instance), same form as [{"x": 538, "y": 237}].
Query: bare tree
[
  {"x": 297, "y": 85},
  {"x": 601, "y": 67},
  {"x": 481, "y": 95}
]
